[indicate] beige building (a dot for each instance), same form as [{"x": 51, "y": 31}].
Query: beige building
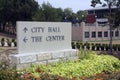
[{"x": 92, "y": 32}]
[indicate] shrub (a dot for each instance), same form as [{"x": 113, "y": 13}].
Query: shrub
[
  {"x": 87, "y": 45},
  {"x": 73, "y": 45},
  {"x": 97, "y": 46},
  {"x": 2, "y": 41},
  {"x": 83, "y": 46},
  {"x": 107, "y": 47},
  {"x": 88, "y": 66},
  {"x": 14, "y": 41},
  {"x": 9, "y": 74},
  {"x": 114, "y": 47},
  {"x": 105, "y": 76},
  {"x": 118, "y": 47},
  {"x": 78, "y": 45},
  {"x": 8, "y": 42},
  {"x": 84, "y": 54},
  {"x": 102, "y": 46},
  {"x": 93, "y": 46}
]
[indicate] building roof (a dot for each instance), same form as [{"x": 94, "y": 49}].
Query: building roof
[{"x": 99, "y": 8}]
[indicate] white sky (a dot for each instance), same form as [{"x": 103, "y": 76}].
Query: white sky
[{"x": 74, "y": 4}]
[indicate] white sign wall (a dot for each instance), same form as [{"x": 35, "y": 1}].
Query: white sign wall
[{"x": 36, "y": 37}]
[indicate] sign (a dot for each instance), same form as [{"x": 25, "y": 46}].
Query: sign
[
  {"x": 36, "y": 37},
  {"x": 102, "y": 20}
]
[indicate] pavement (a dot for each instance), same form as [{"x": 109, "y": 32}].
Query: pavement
[{"x": 7, "y": 36}]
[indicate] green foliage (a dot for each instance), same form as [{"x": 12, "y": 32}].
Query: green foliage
[
  {"x": 85, "y": 54},
  {"x": 3, "y": 41},
  {"x": 97, "y": 46},
  {"x": 105, "y": 3},
  {"x": 92, "y": 46},
  {"x": 86, "y": 67},
  {"x": 14, "y": 41},
  {"x": 117, "y": 19},
  {"x": 95, "y": 2},
  {"x": 81, "y": 15},
  {"x": 73, "y": 45},
  {"x": 8, "y": 42},
  {"x": 115, "y": 47},
  {"x": 24, "y": 10},
  {"x": 107, "y": 46},
  {"x": 102, "y": 46},
  {"x": 17, "y": 10},
  {"x": 118, "y": 47},
  {"x": 48, "y": 13},
  {"x": 9, "y": 74},
  {"x": 105, "y": 76},
  {"x": 87, "y": 45},
  {"x": 78, "y": 45}
]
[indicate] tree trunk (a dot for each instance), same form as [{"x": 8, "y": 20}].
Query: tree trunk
[{"x": 110, "y": 25}]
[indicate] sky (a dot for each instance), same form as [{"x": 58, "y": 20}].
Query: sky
[{"x": 76, "y": 5}]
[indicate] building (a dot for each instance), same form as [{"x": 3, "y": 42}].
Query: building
[
  {"x": 101, "y": 13},
  {"x": 93, "y": 32},
  {"x": 93, "y": 29},
  {"x": 91, "y": 18}
]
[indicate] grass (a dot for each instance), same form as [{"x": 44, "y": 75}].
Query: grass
[
  {"x": 106, "y": 41},
  {"x": 1, "y": 49}
]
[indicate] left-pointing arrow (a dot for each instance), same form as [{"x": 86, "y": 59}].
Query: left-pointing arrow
[
  {"x": 25, "y": 29},
  {"x": 25, "y": 39}
]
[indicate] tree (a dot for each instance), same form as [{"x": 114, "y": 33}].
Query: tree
[
  {"x": 81, "y": 15},
  {"x": 59, "y": 14},
  {"x": 112, "y": 19},
  {"x": 68, "y": 12},
  {"x": 48, "y": 13},
  {"x": 117, "y": 19},
  {"x": 17, "y": 10},
  {"x": 39, "y": 15}
]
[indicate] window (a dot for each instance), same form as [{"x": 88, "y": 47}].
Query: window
[
  {"x": 106, "y": 34},
  {"x": 93, "y": 34},
  {"x": 100, "y": 34},
  {"x": 116, "y": 33},
  {"x": 86, "y": 34}
]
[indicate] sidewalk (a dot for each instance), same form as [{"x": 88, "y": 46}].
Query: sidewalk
[{"x": 2, "y": 35}]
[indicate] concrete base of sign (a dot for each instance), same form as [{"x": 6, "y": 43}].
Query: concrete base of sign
[{"x": 21, "y": 61}]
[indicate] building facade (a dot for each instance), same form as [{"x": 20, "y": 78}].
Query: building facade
[
  {"x": 93, "y": 32},
  {"x": 101, "y": 13},
  {"x": 95, "y": 29}
]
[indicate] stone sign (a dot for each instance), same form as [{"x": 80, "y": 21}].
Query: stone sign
[
  {"x": 42, "y": 43},
  {"x": 35, "y": 37}
]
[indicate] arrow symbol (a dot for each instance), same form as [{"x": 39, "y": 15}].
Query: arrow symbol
[
  {"x": 25, "y": 39},
  {"x": 25, "y": 29}
]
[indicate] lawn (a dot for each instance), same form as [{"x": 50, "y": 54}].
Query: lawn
[{"x": 106, "y": 42}]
